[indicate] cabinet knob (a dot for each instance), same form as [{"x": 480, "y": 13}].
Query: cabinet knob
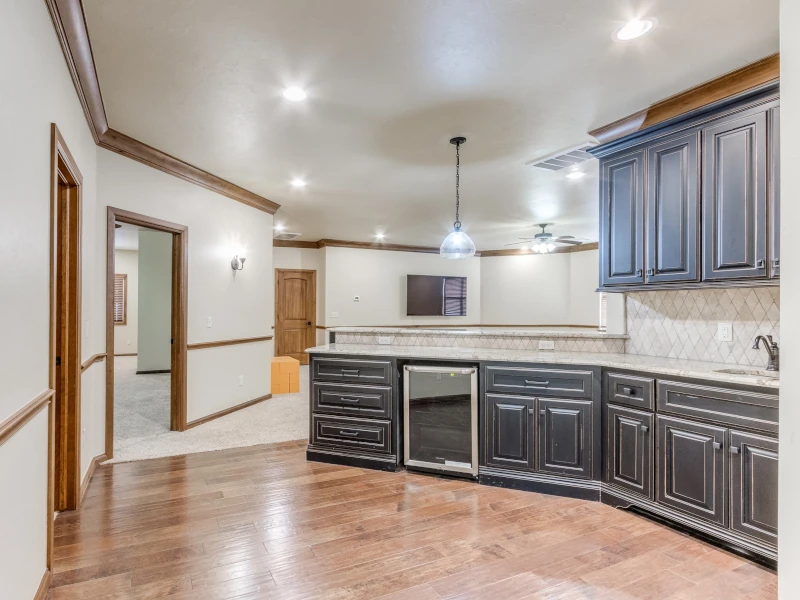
[
  {"x": 734, "y": 450},
  {"x": 717, "y": 445},
  {"x": 530, "y": 411},
  {"x": 650, "y": 271},
  {"x": 776, "y": 262},
  {"x": 760, "y": 263},
  {"x": 645, "y": 428},
  {"x": 638, "y": 272}
]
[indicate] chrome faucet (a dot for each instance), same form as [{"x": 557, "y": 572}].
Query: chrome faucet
[{"x": 772, "y": 350}]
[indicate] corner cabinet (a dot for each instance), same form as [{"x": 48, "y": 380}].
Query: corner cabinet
[{"x": 694, "y": 202}]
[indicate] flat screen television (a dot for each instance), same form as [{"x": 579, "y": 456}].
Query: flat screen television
[{"x": 436, "y": 296}]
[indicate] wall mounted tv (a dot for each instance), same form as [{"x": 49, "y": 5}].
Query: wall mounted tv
[{"x": 436, "y": 296}]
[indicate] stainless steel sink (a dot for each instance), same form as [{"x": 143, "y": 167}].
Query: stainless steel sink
[{"x": 752, "y": 372}]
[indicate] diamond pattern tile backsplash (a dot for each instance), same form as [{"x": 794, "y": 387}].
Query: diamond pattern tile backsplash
[{"x": 683, "y": 324}]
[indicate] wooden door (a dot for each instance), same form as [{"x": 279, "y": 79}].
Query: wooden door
[
  {"x": 295, "y": 313},
  {"x": 622, "y": 219},
  {"x": 673, "y": 209},
  {"x": 565, "y": 436},
  {"x": 509, "y": 432},
  {"x": 754, "y": 486},
  {"x": 692, "y": 468},
  {"x": 735, "y": 197},
  {"x": 629, "y": 449}
]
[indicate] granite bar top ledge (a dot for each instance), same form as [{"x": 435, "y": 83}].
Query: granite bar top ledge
[{"x": 534, "y": 332}]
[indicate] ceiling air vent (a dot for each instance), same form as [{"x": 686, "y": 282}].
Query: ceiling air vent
[
  {"x": 563, "y": 158},
  {"x": 284, "y": 235}
]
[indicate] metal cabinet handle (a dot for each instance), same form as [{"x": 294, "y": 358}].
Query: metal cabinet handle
[
  {"x": 543, "y": 412},
  {"x": 734, "y": 450},
  {"x": 638, "y": 272},
  {"x": 717, "y": 445},
  {"x": 541, "y": 384},
  {"x": 349, "y": 433},
  {"x": 530, "y": 411},
  {"x": 628, "y": 390},
  {"x": 776, "y": 262},
  {"x": 760, "y": 263},
  {"x": 350, "y": 371},
  {"x": 645, "y": 428},
  {"x": 351, "y": 400},
  {"x": 650, "y": 271}
]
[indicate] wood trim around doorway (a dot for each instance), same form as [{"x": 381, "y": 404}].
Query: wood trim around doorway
[{"x": 180, "y": 293}]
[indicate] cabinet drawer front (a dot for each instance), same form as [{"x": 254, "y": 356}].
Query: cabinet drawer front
[
  {"x": 630, "y": 390},
  {"x": 347, "y": 399},
  {"x": 509, "y": 431},
  {"x": 565, "y": 437},
  {"x": 754, "y": 486},
  {"x": 352, "y": 433},
  {"x": 730, "y": 407},
  {"x": 692, "y": 468},
  {"x": 629, "y": 449},
  {"x": 539, "y": 382},
  {"x": 346, "y": 369}
]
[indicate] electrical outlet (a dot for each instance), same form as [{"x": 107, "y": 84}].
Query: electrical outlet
[
  {"x": 356, "y": 298},
  {"x": 547, "y": 345},
  {"x": 384, "y": 339},
  {"x": 334, "y": 315},
  {"x": 725, "y": 332},
  {"x": 208, "y": 322},
  {"x": 241, "y": 379}
]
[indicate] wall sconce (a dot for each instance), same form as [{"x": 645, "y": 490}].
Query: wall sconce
[{"x": 237, "y": 264}]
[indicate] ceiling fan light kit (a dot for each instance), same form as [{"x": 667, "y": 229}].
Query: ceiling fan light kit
[
  {"x": 544, "y": 242},
  {"x": 457, "y": 244}
]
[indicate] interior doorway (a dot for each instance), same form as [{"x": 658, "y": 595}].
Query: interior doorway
[
  {"x": 295, "y": 312},
  {"x": 155, "y": 351},
  {"x": 65, "y": 322}
]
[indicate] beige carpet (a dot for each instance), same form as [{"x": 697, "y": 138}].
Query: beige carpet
[{"x": 141, "y": 419}]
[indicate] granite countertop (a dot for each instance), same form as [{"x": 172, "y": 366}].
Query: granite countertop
[
  {"x": 652, "y": 364},
  {"x": 546, "y": 332}
]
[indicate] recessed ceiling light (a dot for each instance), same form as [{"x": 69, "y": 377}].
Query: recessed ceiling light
[
  {"x": 575, "y": 174},
  {"x": 634, "y": 29},
  {"x": 278, "y": 227},
  {"x": 298, "y": 183},
  {"x": 380, "y": 235},
  {"x": 295, "y": 94}
]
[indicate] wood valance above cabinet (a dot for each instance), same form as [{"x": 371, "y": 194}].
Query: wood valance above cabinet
[{"x": 694, "y": 202}]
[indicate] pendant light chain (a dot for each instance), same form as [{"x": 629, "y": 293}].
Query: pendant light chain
[{"x": 457, "y": 223}]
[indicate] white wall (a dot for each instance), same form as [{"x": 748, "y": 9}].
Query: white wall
[
  {"x": 240, "y": 304},
  {"x": 37, "y": 91},
  {"x": 126, "y": 262},
  {"x": 379, "y": 278},
  {"x": 155, "y": 301},
  {"x": 308, "y": 259},
  {"x": 789, "y": 488}
]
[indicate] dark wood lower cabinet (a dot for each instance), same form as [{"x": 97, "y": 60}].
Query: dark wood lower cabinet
[
  {"x": 509, "y": 431},
  {"x": 629, "y": 449},
  {"x": 754, "y": 486},
  {"x": 565, "y": 437},
  {"x": 692, "y": 468}
]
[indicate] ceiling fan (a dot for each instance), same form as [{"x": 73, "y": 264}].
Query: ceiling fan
[{"x": 544, "y": 242}]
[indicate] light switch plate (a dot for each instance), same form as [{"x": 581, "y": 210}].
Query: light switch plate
[
  {"x": 356, "y": 298},
  {"x": 241, "y": 379},
  {"x": 334, "y": 315},
  {"x": 547, "y": 345},
  {"x": 208, "y": 322},
  {"x": 725, "y": 332}
]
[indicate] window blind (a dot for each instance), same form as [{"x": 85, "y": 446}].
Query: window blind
[
  {"x": 120, "y": 299},
  {"x": 455, "y": 296}
]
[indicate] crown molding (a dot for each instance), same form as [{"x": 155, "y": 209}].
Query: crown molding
[
  {"x": 735, "y": 82},
  {"x": 69, "y": 22},
  {"x": 323, "y": 243}
]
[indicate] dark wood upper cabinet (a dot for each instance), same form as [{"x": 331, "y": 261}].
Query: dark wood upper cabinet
[
  {"x": 565, "y": 436},
  {"x": 509, "y": 432},
  {"x": 629, "y": 449},
  {"x": 775, "y": 191},
  {"x": 754, "y": 486},
  {"x": 673, "y": 209},
  {"x": 622, "y": 219},
  {"x": 735, "y": 197}
]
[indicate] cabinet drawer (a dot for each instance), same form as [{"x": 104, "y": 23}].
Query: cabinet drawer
[
  {"x": 356, "y": 400},
  {"x": 347, "y": 432},
  {"x": 730, "y": 407},
  {"x": 630, "y": 390},
  {"x": 347, "y": 369},
  {"x": 539, "y": 382}
]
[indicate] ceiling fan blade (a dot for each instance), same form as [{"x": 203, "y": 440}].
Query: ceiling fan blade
[
  {"x": 571, "y": 242},
  {"x": 565, "y": 237}
]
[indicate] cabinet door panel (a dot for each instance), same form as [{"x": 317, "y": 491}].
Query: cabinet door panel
[
  {"x": 735, "y": 198},
  {"x": 775, "y": 191},
  {"x": 565, "y": 436},
  {"x": 692, "y": 468},
  {"x": 509, "y": 432},
  {"x": 629, "y": 449},
  {"x": 621, "y": 219},
  {"x": 754, "y": 486},
  {"x": 673, "y": 209}
]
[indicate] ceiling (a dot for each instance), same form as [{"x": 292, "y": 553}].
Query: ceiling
[
  {"x": 389, "y": 82},
  {"x": 126, "y": 237}
]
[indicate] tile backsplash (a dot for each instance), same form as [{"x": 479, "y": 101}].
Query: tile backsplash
[{"x": 683, "y": 324}]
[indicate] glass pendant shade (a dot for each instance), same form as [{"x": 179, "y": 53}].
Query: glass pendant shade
[{"x": 457, "y": 245}]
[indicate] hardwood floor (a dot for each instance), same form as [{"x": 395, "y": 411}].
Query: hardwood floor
[{"x": 261, "y": 522}]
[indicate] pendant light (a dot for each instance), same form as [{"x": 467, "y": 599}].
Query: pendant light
[{"x": 457, "y": 244}]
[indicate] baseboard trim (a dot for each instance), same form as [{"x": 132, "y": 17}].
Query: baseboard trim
[
  {"x": 340, "y": 456},
  {"x": 583, "y": 489},
  {"x": 227, "y": 411},
  {"x": 89, "y": 472},
  {"x": 44, "y": 585},
  {"x": 153, "y": 372}
]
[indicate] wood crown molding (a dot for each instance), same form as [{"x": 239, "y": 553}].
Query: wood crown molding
[
  {"x": 219, "y": 343},
  {"x": 227, "y": 411},
  {"x": 323, "y": 243},
  {"x": 91, "y": 360},
  {"x": 69, "y": 22},
  {"x": 750, "y": 76},
  {"x": 89, "y": 472},
  {"x": 16, "y": 421}
]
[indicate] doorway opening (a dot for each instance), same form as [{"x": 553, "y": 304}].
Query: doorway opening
[
  {"x": 295, "y": 312},
  {"x": 146, "y": 292},
  {"x": 65, "y": 322}
]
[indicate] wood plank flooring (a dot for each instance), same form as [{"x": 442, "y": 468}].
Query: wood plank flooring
[{"x": 262, "y": 522}]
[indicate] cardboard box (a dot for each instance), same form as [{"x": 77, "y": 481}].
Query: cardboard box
[{"x": 285, "y": 375}]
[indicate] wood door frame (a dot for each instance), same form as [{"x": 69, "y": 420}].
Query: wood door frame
[
  {"x": 65, "y": 436},
  {"x": 313, "y": 327},
  {"x": 180, "y": 293}
]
